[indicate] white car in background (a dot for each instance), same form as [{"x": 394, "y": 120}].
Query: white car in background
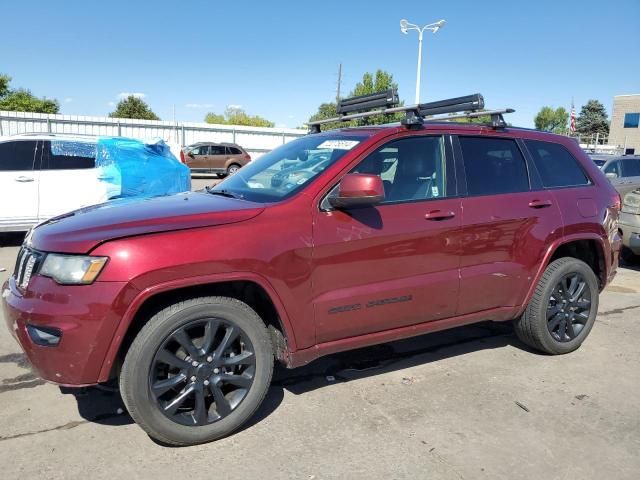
[{"x": 44, "y": 175}]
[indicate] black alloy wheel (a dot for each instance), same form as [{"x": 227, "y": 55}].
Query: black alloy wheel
[
  {"x": 202, "y": 372},
  {"x": 569, "y": 307}
]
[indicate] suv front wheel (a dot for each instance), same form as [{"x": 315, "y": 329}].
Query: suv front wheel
[
  {"x": 563, "y": 308},
  {"x": 197, "y": 370}
]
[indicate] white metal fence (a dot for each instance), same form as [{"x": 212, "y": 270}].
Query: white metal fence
[{"x": 255, "y": 140}]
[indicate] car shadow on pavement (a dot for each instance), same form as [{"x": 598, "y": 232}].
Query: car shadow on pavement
[
  {"x": 103, "y": 404},
  {"x": 399, "y": 355}
]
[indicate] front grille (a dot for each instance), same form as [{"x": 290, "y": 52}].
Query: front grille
[{"x": 27, "y": 263}]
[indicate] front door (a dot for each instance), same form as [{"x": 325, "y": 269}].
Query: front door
[
  {"x": 395, "y": 264},
  {"x": 19, "y": 177},
  {"x": 198, "y": 158}
]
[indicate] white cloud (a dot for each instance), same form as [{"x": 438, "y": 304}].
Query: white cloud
[
  {"x": 234, "y": 106},
  {"x": 68, "y": 100},
  {"x": 111, "y": 104},
  {"x": 131, "y": 94},
  {"x": 199, "y": 105}
]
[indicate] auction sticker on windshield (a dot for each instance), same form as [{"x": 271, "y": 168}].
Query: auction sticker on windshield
[{"x": 338, "y": 144}]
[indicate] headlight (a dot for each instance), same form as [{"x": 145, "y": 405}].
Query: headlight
[{"x": 72, "y": 269}]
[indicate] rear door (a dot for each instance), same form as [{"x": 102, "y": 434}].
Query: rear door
[
  {"x": 218, "y": 157},
  {"x": 69, "y": 178},
  {"x": 395, "y": 264},
  {"x": 506, "y": 224},
  {"x": 19, "y": 177}
]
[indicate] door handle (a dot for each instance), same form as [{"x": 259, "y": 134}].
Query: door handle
[
  {"x": 540, "y": 203},
  {"x": 439, "y": 215},
  {"x": 23, "y": 179},
  {"x": 104, "y": 177}
]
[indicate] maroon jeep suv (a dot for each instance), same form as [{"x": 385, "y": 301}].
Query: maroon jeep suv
[{"x": 188, "y": 299}]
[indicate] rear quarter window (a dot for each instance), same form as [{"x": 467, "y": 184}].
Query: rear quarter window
[{"x": 556, "y": 165}]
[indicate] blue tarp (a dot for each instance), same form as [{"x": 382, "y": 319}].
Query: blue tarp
[{"x": 132, "y": 168}]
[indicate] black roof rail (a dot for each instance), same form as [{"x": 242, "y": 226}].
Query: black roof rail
[{"x": 468, "y": 106}]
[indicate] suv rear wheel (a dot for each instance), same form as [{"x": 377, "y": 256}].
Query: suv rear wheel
[
  {"x": 563, "y": 308},
  {"x": 197, "y": 370}
]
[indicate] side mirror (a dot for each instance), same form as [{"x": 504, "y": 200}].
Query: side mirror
[
  {"x": 358, "y": 190},
  {"x": 611, "y": 175}
]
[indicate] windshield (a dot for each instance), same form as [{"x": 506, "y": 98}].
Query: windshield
[{"x": 286, "y": 170}]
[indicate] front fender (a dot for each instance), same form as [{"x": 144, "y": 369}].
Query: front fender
[{"x": 178, "y": 283}]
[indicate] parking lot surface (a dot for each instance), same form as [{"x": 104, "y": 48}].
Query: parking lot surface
[{"x": 467, "y": 403}]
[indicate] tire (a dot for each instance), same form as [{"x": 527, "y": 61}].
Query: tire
[
  {"x": 233, "y": 168},
  {"x": 535, "y": 325},
  {"x": 144, "y": 369},
  {"x": 628, "y": 256}
]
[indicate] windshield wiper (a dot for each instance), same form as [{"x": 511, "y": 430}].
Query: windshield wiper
[{"x": 223, "y": 192}]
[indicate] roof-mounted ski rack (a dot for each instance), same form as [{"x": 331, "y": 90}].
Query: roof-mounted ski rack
[
  {"x": 387, "y": 98},
  {"x": 468, "y": 106}
]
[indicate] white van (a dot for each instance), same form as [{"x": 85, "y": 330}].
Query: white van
[{"x": 44, "y": 175}]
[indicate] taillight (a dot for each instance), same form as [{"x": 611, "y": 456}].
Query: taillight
[
  {"x": 182, "y": 156},
  {"x": 247, "y": 157},
  {"x": 617, "y": 201}
]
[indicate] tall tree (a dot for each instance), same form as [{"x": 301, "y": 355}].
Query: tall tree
[
  {"x": 551, "y": 120},
  {"x": 133, "y": 107},
  {"x": 22, "y": 100},
  {"x": 237, "y": 116},
  {"x": 592, "y": 119},
  {"x": 370, "y": 83}
]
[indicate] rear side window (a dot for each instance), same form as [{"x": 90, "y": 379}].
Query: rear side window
[
  {"x": 556, "y": 166},
  {"x": 19, "y": 155},
  {"x": 631, "y": 167},
  {"x": 493, "y": 166},
  {"x": 234, "y": 151},
  {"x": 68, "y": 155}
]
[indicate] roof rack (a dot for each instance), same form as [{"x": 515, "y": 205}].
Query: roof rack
[{"x": 468, "y": 106}]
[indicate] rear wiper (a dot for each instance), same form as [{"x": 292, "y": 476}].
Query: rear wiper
[{"x": 223, "y": 192}]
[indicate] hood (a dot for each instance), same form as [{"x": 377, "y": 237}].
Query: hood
[{"x": 82, "y": 230}]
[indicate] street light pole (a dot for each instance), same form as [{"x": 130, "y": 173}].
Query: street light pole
[
  {"x": 405, "y": 26},
  {"x": 419, "y": 67}
]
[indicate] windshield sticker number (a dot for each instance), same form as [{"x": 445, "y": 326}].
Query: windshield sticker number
[{"x": 338, "y": 144}]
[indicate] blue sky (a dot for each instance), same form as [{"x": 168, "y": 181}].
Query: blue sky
[{"x": 279, "y": 59}]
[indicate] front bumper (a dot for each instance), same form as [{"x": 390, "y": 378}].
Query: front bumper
[
  {"x": 85, "y": 316},
  {"x": 629, "y": 224}
]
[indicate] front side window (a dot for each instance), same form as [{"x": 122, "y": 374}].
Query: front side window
[
  {"x": 493, "y": 166},
  {"x": 411, "y": 169},
  {"x": 200, "y": 150},
  {"x": 631, "y": 120},
  {"x": 613, "y": 167},
  {"x": 68, "y": 155},
  {"x": 283, "y": 172},
  {"x": 556, "y": 166},
  {"x": 18, "y": 155},
  {"x": 631, "y": 167}
]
